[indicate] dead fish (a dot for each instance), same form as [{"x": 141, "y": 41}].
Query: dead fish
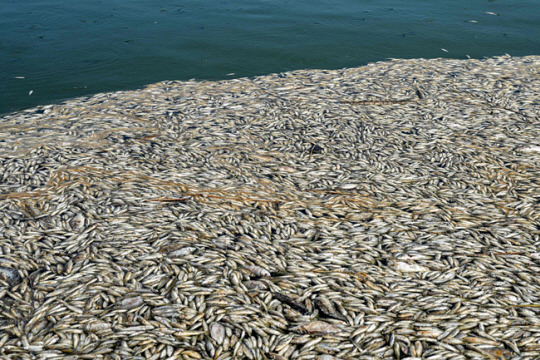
[
  {"x": 131, "y": 302},
  {"x": 255, "y": 285},
  {"x": 97, "y": 326},
  {"x": 291, "y": 314},
  {"x": 217, "y": 332},
  {"x": 326, "y": 348},
  {"x": 210, "y": 348},
  {"x": 326, "y": 357},
  {"x": 10, "y": 275},
  {"x": 291, "y": 302},
  {"x": 78, "y": 221},
  {"x": 326, "y": 307},
  {"x": 410, "y": 267},
  {"x": 529, "y": 149},
  {"x": 317, "y": 328},
  {"x": 258, "y": 271},
  {"x": 167, "y": 311},
  {"x": 188, "y": 250},
  {"x": 316, "y": 149},
  {"x": 287, "y": 169},
  {"x": 275, "y": 356},
  {"x": 192, "y": 353},
  {"x": 498, "y": 352}
]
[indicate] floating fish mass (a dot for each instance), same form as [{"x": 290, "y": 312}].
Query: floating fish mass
[{"x": 389, "y": 211}]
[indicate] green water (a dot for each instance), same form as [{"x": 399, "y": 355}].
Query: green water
[{"x": 52, "y": 50}]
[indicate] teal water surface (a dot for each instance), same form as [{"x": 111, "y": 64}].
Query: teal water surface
[{"x": 52, "y": 50}]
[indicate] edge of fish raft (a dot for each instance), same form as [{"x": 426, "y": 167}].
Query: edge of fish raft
[{"x": 386, "y": 211}]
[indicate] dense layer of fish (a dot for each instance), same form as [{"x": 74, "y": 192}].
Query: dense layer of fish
[{"x": 386, "y": 211}]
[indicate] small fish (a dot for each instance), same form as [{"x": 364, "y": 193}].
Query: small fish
[
  {"x": 210, "y": 348},
  {"x": 217, "y": 332},
  {"x": 131, "y": 302},
  {"x": 184, "y": 334},
  {"x": 10, "y": 275},
  {"x": 30, "y": 92},
  {"x": 255, "y": 285},
  {"x": 317, "y": 328},
  {"x": 491, "y": 13},
  {"x": 287, "y": 169},
  {"x": 410, "y": 267},
  {"x": 166, "y": 311},
  {"x": 316, "y": 149},
  {"x": 444, "y": 50},
  {"x": 97, "y": 326},
  {"x": 192, "y": 353},
  {"x": 78, "y": 221},
  {"x": 326, "y": 307},
  {"x": 275, "y": 356},
  {"x": 326, "y": 357},
  {"x": 188, "y": 250},
  {"x": 530, "y": 149},
  {"x": 258, "y": 271},
  {"x": 498, "y": 352},
  {"x": 291, "y": 302}
]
